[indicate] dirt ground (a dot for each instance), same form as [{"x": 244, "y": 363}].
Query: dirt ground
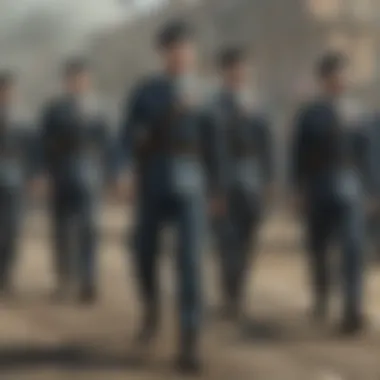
[{"x": 41, "y": 340}]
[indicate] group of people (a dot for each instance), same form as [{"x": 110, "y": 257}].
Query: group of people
[{"x": 188, "y": 160}]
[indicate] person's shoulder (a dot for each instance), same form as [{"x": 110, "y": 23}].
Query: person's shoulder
[
  {"x": 52, "y": 104},
  {"x": 147, "y": 84}
]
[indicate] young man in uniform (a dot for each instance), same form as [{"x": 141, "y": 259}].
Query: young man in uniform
[
  {"x": 244, "y": 174},
  {"x": 329, "y": 191},
  {"x": 165, "y": 140},
  {"x": 75, "y": 144}
]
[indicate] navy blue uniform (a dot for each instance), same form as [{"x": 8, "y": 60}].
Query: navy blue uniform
[
  {"x": 17, "y": 160},
  {"x": 327, "y": 173},
  {"x": 76, "y": 156},
  {"x": 371, "y": 140},
  {"x": 166, "y": 145},
  {"x": 243, "y": 173}
]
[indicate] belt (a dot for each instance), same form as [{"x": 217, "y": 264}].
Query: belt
[{"x": 147, "y": 150}]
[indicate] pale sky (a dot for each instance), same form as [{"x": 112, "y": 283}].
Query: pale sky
[{"x": 86, "y": 14}]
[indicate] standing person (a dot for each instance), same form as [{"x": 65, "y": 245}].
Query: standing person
[
  {"x": 164, "y": 137},
  {"x": 330, "y": 192},
  {"x": 244, "y": 176},
  {"x": 16, "y": 157},
  {"x": 75, "y": 145}
]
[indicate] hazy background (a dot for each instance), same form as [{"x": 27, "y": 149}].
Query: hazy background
[{"x": 284, "y": 37}]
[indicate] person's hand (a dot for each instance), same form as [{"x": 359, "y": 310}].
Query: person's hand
[
  {"x": 123, "y": 190},
  {"x": 39, "y": 187},
  {"x": 217, "y": 207},
  {"x": 269, "y": 194},
  {"x": 297, "y": 204},
  {"x": 373, "y": 206}
]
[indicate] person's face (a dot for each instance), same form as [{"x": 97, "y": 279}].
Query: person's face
[
  {"x": 336, "y": 83},
  {"x": 78, "y": 83},
  {"x": 7, "y": 93},
  {"x": 180, "y": 57},
  {"x": 237, "y": 74}
]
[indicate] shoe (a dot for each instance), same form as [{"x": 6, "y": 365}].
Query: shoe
[
  {"x": 352, "y": 325},
  {"x": 6, "y": 290},
  {"x": 60, "y": 294},
  {"x": 148, "y": 330},
  {"x": 319, "y": 313},
  {"x": 188, "y": 364},
  {"x": 87, "y": 295},
  {"x": 228, "y": 313}
]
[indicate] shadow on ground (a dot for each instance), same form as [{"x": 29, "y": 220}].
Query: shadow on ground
[{"x": 23, "y": 358}]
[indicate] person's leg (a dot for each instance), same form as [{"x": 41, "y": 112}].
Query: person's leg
[
  {"x": 247, "y": 223},
  {"x": 10, "y": 228},
  {"x": 189, "y": 217},
  {"x": 320, "y": 228},
  {"x": 87, "y": 229},
  {"x": 145, "y": 254},
  {"x": 225, "y": 236},
  {"x": 353, "y": 241},
  {"x": 61, "y": 218}
]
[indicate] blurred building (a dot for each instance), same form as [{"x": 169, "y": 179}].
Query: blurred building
[
  {"x": 352, "y": 26},
  {"x": 285, "y": 38}
]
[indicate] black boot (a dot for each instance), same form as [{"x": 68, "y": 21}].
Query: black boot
[
  {"x": 87, "y": 295},
  {"x": 319, "y": 311},
  {"x": 61, "y": 292},
  {"x": 352, "y": 324},
  {"x": 188, "y": 361},
  {"x": 6, "y": 288},
  {"x": 149, "y": 327}
]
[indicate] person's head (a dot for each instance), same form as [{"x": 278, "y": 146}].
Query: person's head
[
  {"x": 331, "y": 73},
  {"x": 176, "y": 45},
  {"x": 233, "y": 65},
  {"x": 77, "y": 76},
  {"x": 7, "y": 86}
]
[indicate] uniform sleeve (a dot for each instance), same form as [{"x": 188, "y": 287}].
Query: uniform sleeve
[
  {"x": 267, "y": 150},
  {"x": 41, "y": 140},
  {"x": 133, "y": 117},
  {"x": 105, "y": 143},
  {"x": 372, "y": 173},
  {"x": 211, "y": 152},
  {"x": 32, "y": 153},
  {"x": 361, "y": 152},
  {"x": 298, "y": 167}
]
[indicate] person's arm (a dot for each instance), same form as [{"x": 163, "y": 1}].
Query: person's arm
[
  {"x": 213, "y": 161},
  {"x": 132, "y": 125},
  {"x": 299, "y": 161},
  {"x": 39, "y": 152},
  {"x": 127, "y": 145},
  {"x": 266, "y": 151},
  {"x": 299, "y": 150}
]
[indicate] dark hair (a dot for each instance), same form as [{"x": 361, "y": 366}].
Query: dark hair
[
  {"x": 230, "y": 56},
  {"x": 173, "y": 33},
  {"x": 75, "y": 66},
  {"x": 330, "y": 63},
  {"x": 7, "y": 78}
]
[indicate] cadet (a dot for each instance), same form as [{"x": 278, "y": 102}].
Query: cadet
[
  {"x": 330, "y": 192},
  {"x": 164, "y": 136},
  {"x": 244, "y": 174},
  {"x": 75, "y": 142},
  {"x": 16, "y": 155}
]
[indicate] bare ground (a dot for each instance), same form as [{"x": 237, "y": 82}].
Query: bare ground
[{"x": 40, "y": 340}]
